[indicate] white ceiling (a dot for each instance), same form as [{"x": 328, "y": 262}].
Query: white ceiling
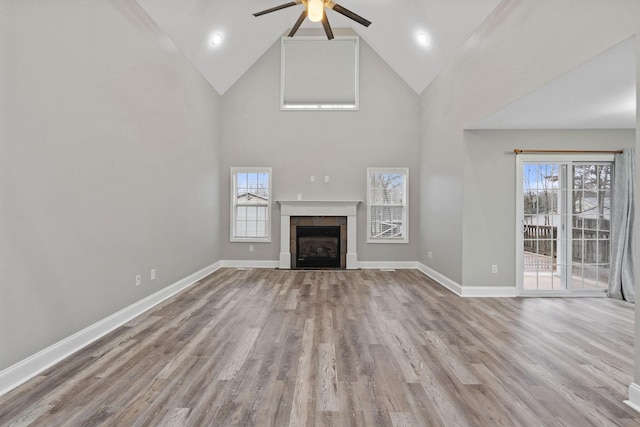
[
  {"x": 392, "y": 34},
  {"x": 599, "y": 94}
]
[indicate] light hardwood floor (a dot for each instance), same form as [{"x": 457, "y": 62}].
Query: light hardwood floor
[{"x": 364, "y": 348}]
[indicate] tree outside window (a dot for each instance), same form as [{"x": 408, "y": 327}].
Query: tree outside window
[{"x": 387, "y": 205}]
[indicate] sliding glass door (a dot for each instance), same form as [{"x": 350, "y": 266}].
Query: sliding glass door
[{"x": 564, "y": 215}]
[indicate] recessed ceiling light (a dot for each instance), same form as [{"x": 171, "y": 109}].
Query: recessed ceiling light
[
  {"x": 423, "y": 38},
  {"x": 215, "y": 39}
]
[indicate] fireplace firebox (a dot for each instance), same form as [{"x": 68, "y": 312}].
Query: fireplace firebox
[
  {"x": 318, "y": 242},
  {"x": 318, "y": 246}
]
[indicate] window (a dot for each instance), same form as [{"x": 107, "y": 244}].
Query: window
[
  {"x": 564, "y": 210},
  {"x": 250, "y": 204},
  {"x": 387, "y": 205}
]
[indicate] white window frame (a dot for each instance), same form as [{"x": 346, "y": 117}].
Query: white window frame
[
  {"x": 404, "y": 205},
  {"x": 234, "y": 199}
]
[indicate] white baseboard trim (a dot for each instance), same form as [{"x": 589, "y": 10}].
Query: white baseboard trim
[
  {"x": 469, "y": 291},
  {"x": 400, "y": 265},
  {"x": 248, "y": 263},
  {"x": 454, "y": 287},
  {"x": 634, "y": 396},
  {"x": 15, "y": 375},
  {"x": 489, "y": 292}
]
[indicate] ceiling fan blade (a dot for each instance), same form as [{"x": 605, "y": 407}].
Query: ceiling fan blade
[
  {"x": 327, "y": 27},
  {"x": 273, "y": 9},
  {"x": 346, "y": 12},
  {"x": 302, "y": 17}
]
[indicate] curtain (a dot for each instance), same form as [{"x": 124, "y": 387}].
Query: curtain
[{"x": 621, "y": 279}]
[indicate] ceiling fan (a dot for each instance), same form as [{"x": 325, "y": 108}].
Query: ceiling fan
[{"x": 314, "y": 10}]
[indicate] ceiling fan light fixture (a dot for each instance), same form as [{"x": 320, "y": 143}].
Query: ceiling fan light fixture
[{"x": 315, "y": 10}]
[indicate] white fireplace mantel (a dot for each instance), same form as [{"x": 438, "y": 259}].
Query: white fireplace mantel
[{"x": 289, "y": 208}]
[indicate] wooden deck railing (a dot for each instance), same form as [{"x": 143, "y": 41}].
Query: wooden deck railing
[
  {"x": 588, "y": 245},
  {"x": 541, "y": 239}
]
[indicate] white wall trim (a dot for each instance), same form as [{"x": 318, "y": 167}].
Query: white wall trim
[
  {"x": 400, "y": 265},
  {"x": 489, "y": 291},
  {"x": 462, "y": 291},
  {"x": 469, "y": 291},
  {"x": 15, "y": 375},
  {"x": 249, "y": 263},
  {"x": 634, "y": 396},
  {"x": 454, "y": 287}
]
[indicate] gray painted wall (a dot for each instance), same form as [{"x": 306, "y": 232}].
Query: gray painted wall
[
  {"x": 489, "y": 214},
  {"x": 298, "y": 144},
  {"x": 519, "y": 48},
  {"x": 108, "y": 167}
]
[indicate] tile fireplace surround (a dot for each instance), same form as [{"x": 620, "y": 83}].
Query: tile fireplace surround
[{"x": 345, "y": 208}]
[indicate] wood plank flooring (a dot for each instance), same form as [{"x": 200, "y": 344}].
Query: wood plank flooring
[{"x": 344, "y": 348}]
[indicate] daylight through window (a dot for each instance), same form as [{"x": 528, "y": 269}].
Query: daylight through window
[
  {"x": 251, "y": 204},
  {"x": 387, "y": 205}
]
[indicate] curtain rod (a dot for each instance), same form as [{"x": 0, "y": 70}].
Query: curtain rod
[{"x": 519, "y": 151}]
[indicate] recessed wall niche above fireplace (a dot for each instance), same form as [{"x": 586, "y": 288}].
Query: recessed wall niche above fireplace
[{"x": 318, "y": 213}]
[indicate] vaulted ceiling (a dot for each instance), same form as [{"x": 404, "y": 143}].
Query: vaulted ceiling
[
  {"x": 392, "y": 34},
  {"x": 584, "y": 98},
  {"x": 599, "y": 94}
]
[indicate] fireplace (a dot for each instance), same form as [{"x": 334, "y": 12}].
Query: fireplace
[
  {"x": 299, "y": 214},
  {"x": 318, "y": 241},
  {"x": 317, "y": 246}
]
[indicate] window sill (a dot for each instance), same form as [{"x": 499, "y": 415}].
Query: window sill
[
  {"x": 394, "y": 241},
  {"x": 250, "y": 240}
]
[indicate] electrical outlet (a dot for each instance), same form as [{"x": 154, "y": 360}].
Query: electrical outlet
[
  {"x": 326, "y": 178},
  {"x": 153, "y": 274},
  {"x": 250, "y": 248},
  {"x": 299, "y": 196},
  {"x": 430, "y": 255},
  {"x": 138, "y": 280},
  {"x": 312, "y": 179},
  {"x": 494, "y": 269}
]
